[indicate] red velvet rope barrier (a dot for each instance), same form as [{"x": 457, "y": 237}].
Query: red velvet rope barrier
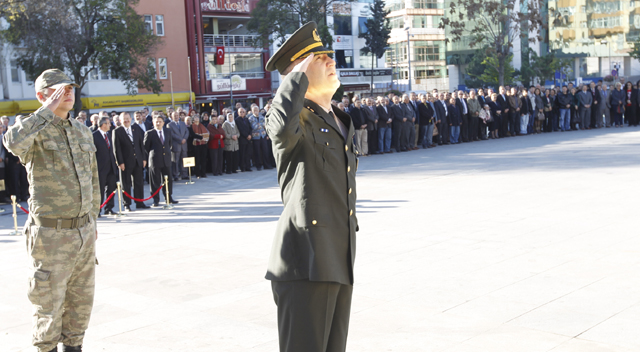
[
  {"x": 108, "y": 199},
  {"x": 142, "y": 200}
]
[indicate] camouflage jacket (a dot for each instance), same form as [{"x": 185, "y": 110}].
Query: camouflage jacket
[{"x": 61, "y": 164}]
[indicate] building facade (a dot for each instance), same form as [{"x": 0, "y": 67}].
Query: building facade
[
  {"x": 164, "y": 18},
  {"x": 417, "y": 48},
  {"x": 598, "y": 35},
  {"x": 225, "y": 67}
]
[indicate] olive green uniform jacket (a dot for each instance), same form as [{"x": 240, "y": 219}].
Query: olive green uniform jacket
[{"x": 316, "y": 235}]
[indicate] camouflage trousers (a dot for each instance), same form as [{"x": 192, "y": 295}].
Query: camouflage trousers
[{"x": 61, "y": 283}]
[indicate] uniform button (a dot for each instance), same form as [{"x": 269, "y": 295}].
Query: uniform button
[
  {"x": 348, "y": 168},
  {"x": 349, "y": 190},
  {"x": 327, "y": 143},
  {"x": 350, "y": 212},
  {"x": 314, "y": 222},
  {"x": 346, "y": 147}
]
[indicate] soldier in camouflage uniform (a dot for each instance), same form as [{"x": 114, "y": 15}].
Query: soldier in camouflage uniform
[{"x": 59, "y": 155}]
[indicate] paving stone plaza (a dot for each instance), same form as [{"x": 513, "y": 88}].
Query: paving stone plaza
[{"x": 512, "y": 245}]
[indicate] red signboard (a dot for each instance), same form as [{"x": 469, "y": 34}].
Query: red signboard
[{"x": 219, "y": 55}]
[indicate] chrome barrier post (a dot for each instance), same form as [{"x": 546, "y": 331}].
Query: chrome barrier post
[
  {"x": 15, "y": 232},
  {"x": 167, "y": 197},
  {"x": 120, "y": 213}
]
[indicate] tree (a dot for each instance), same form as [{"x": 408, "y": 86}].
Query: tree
[
  {"x": 377, "y": 34},
  {"x": 81, "y": 36},
  {"x": 475, "y": 69},
  {"x": 545, "y": 67},
  {"x": 495, "y": 23},
  {"x": 272, "y": 20},
  {"x": 492, "y": 74}
]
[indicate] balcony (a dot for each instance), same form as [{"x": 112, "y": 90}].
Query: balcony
[{"x": 229, "y": 40}]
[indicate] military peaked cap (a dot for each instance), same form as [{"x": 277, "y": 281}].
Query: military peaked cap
[{"x": 303, "y": 42}]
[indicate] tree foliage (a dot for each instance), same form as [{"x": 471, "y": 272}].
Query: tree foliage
[
  {"x": 475, "y": 69},
  {"x": 492, "y": 74},
  {"x": 495, "y": 23},
  {"x": 273, "y": 20},
  {"x": 81, "y": 36},
  {"x": 377, "y": 34}
]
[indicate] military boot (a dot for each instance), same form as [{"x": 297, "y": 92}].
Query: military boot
[{"x": 66, "y": 348}]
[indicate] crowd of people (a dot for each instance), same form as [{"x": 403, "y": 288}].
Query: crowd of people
[{"x": 147, "y": 146}]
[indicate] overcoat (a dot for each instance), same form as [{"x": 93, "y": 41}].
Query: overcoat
[{"x": 315, "y": 237}]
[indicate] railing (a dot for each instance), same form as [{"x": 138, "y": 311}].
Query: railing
[{"x": 228, "y": 40}]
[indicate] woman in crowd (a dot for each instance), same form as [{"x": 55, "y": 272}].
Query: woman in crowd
[
  {"x": 482, "y": 99},
  {"x": 216, "y": 145},
  {"x": 548, "y": 107},
  {"x": 231, "y": 147},
  {"x": 259, "y": 140},
  {"x": 631, "y": 101},
  {"x": 540, "y": 107},
  {"x": 205, "y": 119},
  {"x": 495, "y": 116},
  {"x": 485, "y": 120},
  {"x": 617, "y": 104},
  {"x": 200, "y": 136},
  {"x": 575, "y": 105},
  {"x": 358, "y": 124},
  {"x": 474, "y": 106}
]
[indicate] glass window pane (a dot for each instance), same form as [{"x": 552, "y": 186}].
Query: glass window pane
[{"x": 342, "y": 25}]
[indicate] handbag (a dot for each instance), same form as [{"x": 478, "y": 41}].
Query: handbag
[
  {"x": 620, "y": 109},
  {"x": 541, "y": 116}
]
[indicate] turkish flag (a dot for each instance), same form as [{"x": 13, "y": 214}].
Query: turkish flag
[{"x": 220, "y": 55}]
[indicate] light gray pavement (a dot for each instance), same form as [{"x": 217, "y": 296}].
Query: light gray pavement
[{"x": 520, "y": 244}]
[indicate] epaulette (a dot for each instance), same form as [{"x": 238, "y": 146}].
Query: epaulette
[{"x": 310, "y": 109}]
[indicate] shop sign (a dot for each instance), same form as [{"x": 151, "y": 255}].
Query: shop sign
[
  {"x": 365, "y": 73},
  {"x": 342, "y": 42},
  {"x": 222, "y": 85},
  {"x": 225, "y": 5}
]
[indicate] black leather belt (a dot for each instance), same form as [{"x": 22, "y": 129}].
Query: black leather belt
[{"x": 74, "y": 223}]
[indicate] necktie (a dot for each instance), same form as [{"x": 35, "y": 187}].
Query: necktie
[
  {"x": 161, "y": 137},
  {"x": 106, "y": 139},
  {"x": 129, "y": 134}
]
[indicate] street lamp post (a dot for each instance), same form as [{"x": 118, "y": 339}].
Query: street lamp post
[
  {"x": 409, "y": 55},
  {"x": 609, "y": 45}
]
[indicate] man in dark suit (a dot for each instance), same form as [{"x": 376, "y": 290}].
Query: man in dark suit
[
  {"x": 311, "y": 263},
  {"x": 179, "y": 135},
  {"x": 128, "y": 146},
  {"x": 596, "y": 113},
  {"x": 409, "y": 117},
  {"x": 107, "y": 169},
  {"x": 397, "y": 116},
  {"x": 384, "y": 126},
  {"x": 425, "y": 113},
  {"x": 503, "y": 104},
  {"x": 142, "y": 123},
  {"x": 157, "y": 144},
  {"x": 463, "y": 110},
  {"x": 443, "y": 119},
  {"x": 244, "y": 141},
  {"x": 371, "y": 117},
  {"x": 415, "y": 106}
]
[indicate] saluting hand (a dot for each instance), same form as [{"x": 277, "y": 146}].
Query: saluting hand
[
  {"x": 303, "y": 65},
  {"x": 54, "y": 99}
]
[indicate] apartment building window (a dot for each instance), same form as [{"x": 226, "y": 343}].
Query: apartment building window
[
  {"x": 425, "y": 4},
  {"x": 394, "y": 5},
  {"x": 420, "y": 22},
  {"x": 148, "y": 23},
  {"x": 427, "y": 51},
  {"x": 362, "y": 25},
  {"x": 162, "y": 68},
  {"x": 243, "y": 65},
  {"x": 365, "y": 61},
  {"x": 344, "y": 58},
  {"x": 396, "y": 22},
  {"x": 160, "y": 25},
  {"x": 15, "y": 71},
  {"x": 342, "y": 25},
  {"x": 425, "y": 72}
]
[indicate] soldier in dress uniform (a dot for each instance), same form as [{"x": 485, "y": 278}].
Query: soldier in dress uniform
[
  {"x": 59, "y": 155},
  {"x": 311, "y": 264}
]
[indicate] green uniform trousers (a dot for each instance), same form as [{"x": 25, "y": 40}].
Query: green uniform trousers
[
  {"x": 312, "y": 316},
  {"x": 61, "y": 284}
]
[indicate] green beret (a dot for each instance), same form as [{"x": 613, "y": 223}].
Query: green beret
[{"x": 303, "y": 42}]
